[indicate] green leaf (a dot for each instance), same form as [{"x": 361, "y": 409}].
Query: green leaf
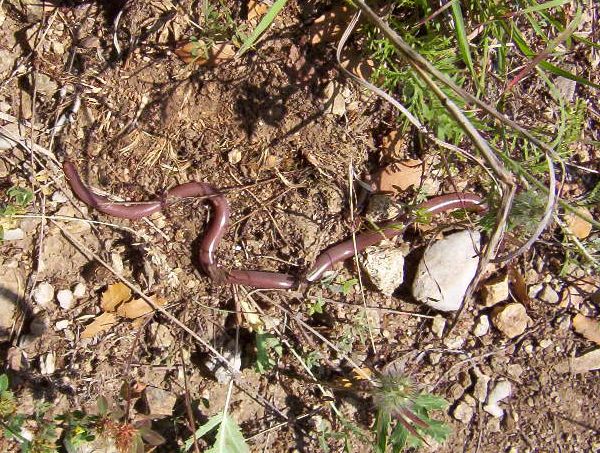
[
  {"x": 211, "y": 424},
  {"x": 544, "y": 6},
  {"x": 262, "y": 26},
  {"x": 461, "y": 37},
  {"x": 21, "y": 197},
  {"x": 316, "y": 307},
  {"x": 266, "y": 344},
  {"x": 3, "y": 383},
  {"x": 430, "y": 402},
  {"x": 229, "y": 438}
]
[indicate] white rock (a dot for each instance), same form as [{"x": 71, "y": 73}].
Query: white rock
[
  {"x": 117, "y": 263},
  {"x": 494, "y": 410},
  {"x": 463, "y": 412},
  {"x": 454, "y": 342},
  {"x": 65, "y": 299},
  {"x": 545, "y": 343},
  {"x": 61, "y": 325},
  {"x": 438, "y": 325},
  {"x": 534, "y": 290},
  {"x": 501, "y": 391},
  {"x": 48, "y": 363},
  {"x": 59, "y": 197},
  {"x": 14, "y": 234},
  {"x": 234, "y": 156},
  {"x": 79, "y": 290},
  {"x": 482, "y": 326},
  {"x": 446, "y": 269},
  {"x": 385, "y": 267},
  {"x": 43, "y": 294}
]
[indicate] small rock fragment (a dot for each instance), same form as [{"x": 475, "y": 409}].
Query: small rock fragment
[
  {"x": 61, "y": 325},
  {"x": 381, "y": 207},
  {"x": 234, "y": 156},
  {"x": 500, "y": 391},
  {"x": 160, "y": 336},
  {"x": 48, "y": 364},
  {"x": 159, "y": 401},
  {"x": 438, "y": 325},
  {"x": 548, "y": 295},
  {"x": 495, "y": 291},
  {"x": 455, "y": 343},
  {"x": 14, "y": 234},
  {"x": 480, "y": 390},
  {"x": 79, "y": 290},
  {"x": 385, "y": 267},
  {"x": 59, "y": 197},
  {"x": 43, "y": 294},
  {"x": 435, "y": 357},
  {"x": 482, "y": 326},
  {"x": 511, "y": 319},
  {"x": 65, "y": 299},
  {"x": 582, "y": 364},
  {"x": 11, "y": 293},
  {"x": 446, "y": 269},
  {"x": 534, "y": 290},
  {"x": 463, "y": 412},
  {"x": 545, "y": 343}
]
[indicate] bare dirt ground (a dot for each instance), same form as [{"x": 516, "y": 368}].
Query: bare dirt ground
[{"x": 262, "y": 128}]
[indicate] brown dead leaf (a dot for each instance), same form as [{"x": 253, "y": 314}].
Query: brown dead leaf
[
  {"x": 588, "y": 327},
  {"x": 394, "y": 145},
  {"x": 138, "y": 308},
  {"x": 103, "y": 322},
  {"x": 200, "y": 53},
  {"x": 114, "y": 295},
  {"x": 577, "y": 226},
  {"x": 518, "y": 286},
  {"x": 358, "y": 66},
  {"x": 329, "y": 26},
  {"x": 256, "y": 9},
  {"x": 399, "y": 176}
]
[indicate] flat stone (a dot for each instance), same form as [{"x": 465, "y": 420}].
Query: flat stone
[
  {"x": 437, "y": 326},
  {"x": 79, "y": 290},
  {"x": 384, "y": 267},
  {"x": 480, "y": 390},
  {"x": 511, "y": 319},
  {"x": 159, "y": 401},
  {"x": 582, "y": 364},
  {"x": 14, "y": 234},
  {"x": 446, "y": 269}
]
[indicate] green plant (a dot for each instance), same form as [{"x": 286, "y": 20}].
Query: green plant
[
  {"x": 40, "y": 434},
  {"x": 268, "y": 348},
  {"x": 403, "y": 415},
  {"x": 229, "y": 438},
  {"x": 18, "y": 199}
]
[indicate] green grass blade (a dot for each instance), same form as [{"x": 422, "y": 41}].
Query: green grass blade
[
  {"x": 461, "y": 37},
  {"x": 528, "y": 52},
  {"x": 544, "y": 6},
  {"x": 262, "y": 26}
]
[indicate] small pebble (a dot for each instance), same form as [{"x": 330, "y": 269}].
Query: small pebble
[
  {"x": 480, "y": 390},
  {"x": 437, "y": 326},
  {"x": 15, "y": 234},
  {"x": 511, "y": 319},
  {"x": 463, "y": 412},
  {"x": 61, "y": 325},
  {"x": 545, "y": 343},
  {"x": 79, "y": 290},
  {"x": 482, "y": 326},
  {"x": 534, "y": 290},
  {"x": 59, "y": 197},
  {"x": 500, "y": 391},
  {"x": 495, "y": 291},
  {"x": 234, "y": 156},
  {"x": 548, "y": 295},
  {"x": 65, "y": 299},
  {"x": 43, "y": 294},
  {"x": 435, "y": 357}
]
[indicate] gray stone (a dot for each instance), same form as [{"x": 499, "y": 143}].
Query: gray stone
[
  {"x": 446, "y": 269},
  {"x": 159, "y": 401},
  {"x": 480, "y": 390}
]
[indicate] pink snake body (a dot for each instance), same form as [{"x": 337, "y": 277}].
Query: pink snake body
[{"x": 217, "y": 228}]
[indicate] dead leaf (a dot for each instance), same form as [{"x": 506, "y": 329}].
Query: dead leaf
[
  {"x": 200, "y": 53},
  {"x": 103, "y": 322},
  {"x": 256, "y": 9},
  {"x": 518, "y": 286},
  {"x": 114, "y": 295},
  {"x": 329, "y": 26},
  {"x": 588, "y": 327},
  {"x": 138, "y": 308},
  {"x": 577, "y": 226},
  {"x": 358, "y": 66},
  {"x": 399, "y": 176}
]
